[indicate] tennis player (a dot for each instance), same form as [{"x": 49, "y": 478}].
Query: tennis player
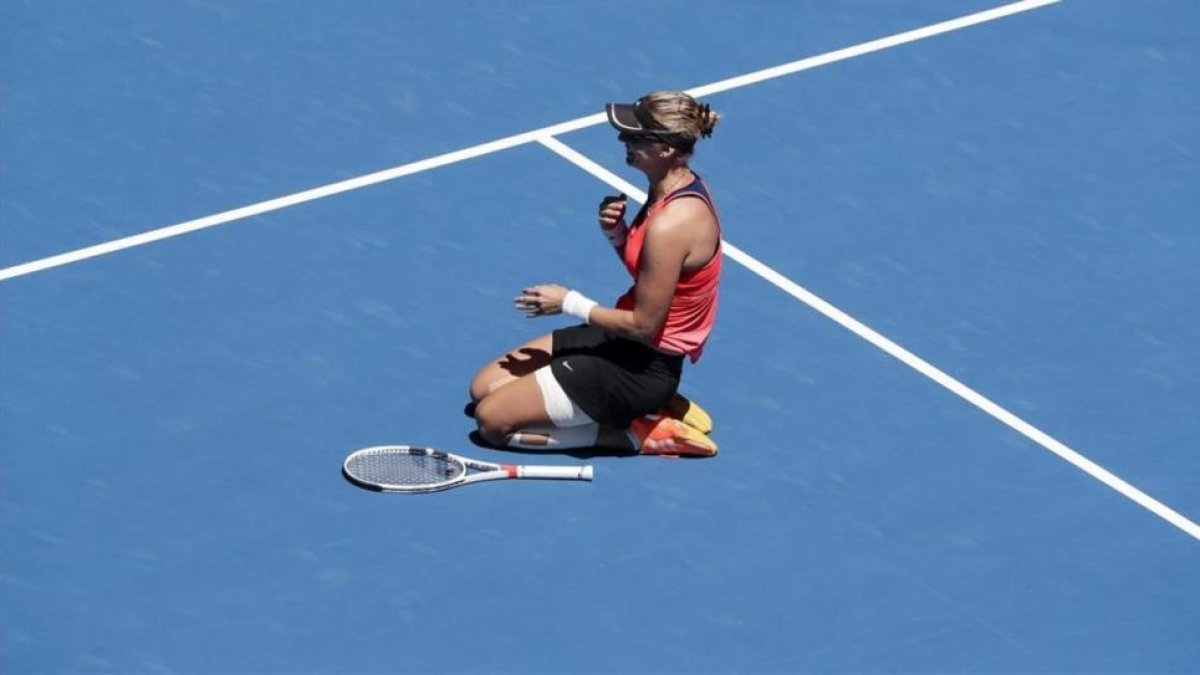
[{"x": 612, "y": 381}]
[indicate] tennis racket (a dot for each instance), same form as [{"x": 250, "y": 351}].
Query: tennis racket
[{"x": 403, "y": 468}]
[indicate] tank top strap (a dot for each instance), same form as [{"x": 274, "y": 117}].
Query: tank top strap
[{"x": 695, "y": 189}]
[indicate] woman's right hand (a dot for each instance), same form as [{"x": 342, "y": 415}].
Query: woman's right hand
[{"x": 612, "y": 212}]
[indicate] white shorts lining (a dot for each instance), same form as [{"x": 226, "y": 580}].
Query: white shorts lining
[{"x": 559, "y": 407}]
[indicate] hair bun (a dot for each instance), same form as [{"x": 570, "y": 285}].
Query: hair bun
[{"x": 708, "y": 120}]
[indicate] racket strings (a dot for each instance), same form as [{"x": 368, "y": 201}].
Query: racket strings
[{"x": 389, "y": 468}]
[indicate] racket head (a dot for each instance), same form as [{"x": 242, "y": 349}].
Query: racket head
[{"x": 404, "y": 468}]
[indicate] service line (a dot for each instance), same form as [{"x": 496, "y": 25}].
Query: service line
[{"x": 505, "y": 143}]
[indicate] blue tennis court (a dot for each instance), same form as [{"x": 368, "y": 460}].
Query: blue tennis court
[{"x": 955, "y": 376}]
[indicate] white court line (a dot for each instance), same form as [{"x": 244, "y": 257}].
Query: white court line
[
  {"x": 545, "y": 136},
  {"x": 505, "y": 143},
  {"x": 903, "y": 355},
  {"x": 872, "y": 46},
  {"x": 293, "y": 199}
]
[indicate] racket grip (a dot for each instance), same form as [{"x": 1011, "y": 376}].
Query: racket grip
[{"x": 556, "y": 472}]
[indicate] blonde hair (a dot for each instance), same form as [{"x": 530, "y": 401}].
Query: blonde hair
[{"x": 681, "y": 114}]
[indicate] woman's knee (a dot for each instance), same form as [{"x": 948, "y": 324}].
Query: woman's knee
[
  {"x": 481, "y": 384},
  {"x": 493, "y": 423}
]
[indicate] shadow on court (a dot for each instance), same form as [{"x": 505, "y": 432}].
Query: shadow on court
[{"x": 577, "y": 453}]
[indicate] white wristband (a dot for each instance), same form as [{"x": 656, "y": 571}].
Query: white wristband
[{"x": 578, "y": 305}]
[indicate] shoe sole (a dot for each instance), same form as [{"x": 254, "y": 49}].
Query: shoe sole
[{"x": 686, "y": 447}]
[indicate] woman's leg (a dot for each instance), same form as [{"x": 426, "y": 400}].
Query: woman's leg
[
  {"x": 516, "y": 415},
  {"x": 509, "y": 368},
  {"x": 511, "y": 405},
  {"x": 514, "y": 404},
  {"x": 519, "y": 417}
]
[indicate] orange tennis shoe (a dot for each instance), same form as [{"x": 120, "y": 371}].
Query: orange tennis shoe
[{"x": 669, "y": 437}]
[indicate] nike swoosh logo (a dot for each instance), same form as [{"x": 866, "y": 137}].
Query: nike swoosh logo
[{"x": 567, "y": 365}]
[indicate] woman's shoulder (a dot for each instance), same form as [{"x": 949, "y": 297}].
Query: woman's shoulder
[
  {"x": 685, "y": 205},
  {"x": 680, "y": 219}
]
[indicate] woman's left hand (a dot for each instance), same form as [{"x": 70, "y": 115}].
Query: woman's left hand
[{"x": 541, "y": 300}]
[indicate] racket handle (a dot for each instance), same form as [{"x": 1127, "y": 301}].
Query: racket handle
[{"x": 556, "y": 472}]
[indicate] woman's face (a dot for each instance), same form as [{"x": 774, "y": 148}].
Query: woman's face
[{"x": 642, "y": 152}]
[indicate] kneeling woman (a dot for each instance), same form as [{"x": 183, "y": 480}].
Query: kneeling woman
[{"x": 612, "y": 382}]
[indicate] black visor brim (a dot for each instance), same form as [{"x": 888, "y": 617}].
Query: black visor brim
[{"x": 623, "y": 117}]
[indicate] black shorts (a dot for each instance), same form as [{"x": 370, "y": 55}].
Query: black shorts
[{"x": 613, "y": 379}]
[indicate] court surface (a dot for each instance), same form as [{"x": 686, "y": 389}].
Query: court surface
[{"x": 955, "y": 375}]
